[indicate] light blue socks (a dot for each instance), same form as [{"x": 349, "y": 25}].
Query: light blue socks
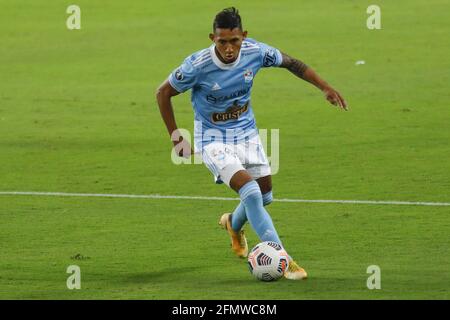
[
  {"x": 239, "y": 217},
  {"x": 267, "y": 198},
  {"x": 252, "y": 209}
]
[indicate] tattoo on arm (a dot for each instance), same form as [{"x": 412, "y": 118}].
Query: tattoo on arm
[{"x": 295, "y": 66}]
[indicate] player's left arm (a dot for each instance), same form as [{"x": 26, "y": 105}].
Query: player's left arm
[{"x": 306, "y": 73}]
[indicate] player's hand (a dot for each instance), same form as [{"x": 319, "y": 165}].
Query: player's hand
[
  {"x": 335, "y": 98},
  {"x": 183, "y": 148}
]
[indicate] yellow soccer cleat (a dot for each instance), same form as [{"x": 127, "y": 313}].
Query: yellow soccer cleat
[
  {"x": 238, "y": 240},
  {"x": 295, "y": 272}
]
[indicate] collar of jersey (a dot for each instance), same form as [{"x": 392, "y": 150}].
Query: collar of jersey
[{"x": 220, "y": 64}]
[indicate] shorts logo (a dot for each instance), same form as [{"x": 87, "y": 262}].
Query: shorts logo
[
  {"x": 248, "y": 75},
  {"x": 179, "y": 75},
  {"x": 232, "y": 113},
  {"x": 270, "y": 58},
  {"x": 220, "y": 154}
]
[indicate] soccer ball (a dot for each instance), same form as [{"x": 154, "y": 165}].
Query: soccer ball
[{"x": 268, "y": 261}]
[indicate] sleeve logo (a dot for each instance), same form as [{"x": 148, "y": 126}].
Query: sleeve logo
[
  {"x": 270, "y": 58},
  {"x": 179, "y": 75}
]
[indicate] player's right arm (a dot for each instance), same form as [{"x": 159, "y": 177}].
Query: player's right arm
[
  {"x": 180, "y": 80},
  {"x": 164, "y": 95}
]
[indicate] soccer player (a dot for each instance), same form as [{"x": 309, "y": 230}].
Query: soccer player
[{"x": 225, "y": 132}]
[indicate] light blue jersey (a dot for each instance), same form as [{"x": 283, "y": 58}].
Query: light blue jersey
[{"x": 221, "y": 92}]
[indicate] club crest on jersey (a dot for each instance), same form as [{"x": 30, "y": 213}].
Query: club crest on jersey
[{"x": 248, "y": 75}]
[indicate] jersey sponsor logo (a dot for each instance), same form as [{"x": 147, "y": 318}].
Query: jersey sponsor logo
[
  {"x": 234, "y": 95},
  {"x": 270, "y": 58},
  {"x": 232, "y": 113},
  {"x": 179, "y": 75},
  {"x": 248, "y": 75}
]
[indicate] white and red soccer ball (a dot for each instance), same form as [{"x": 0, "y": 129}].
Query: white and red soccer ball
[{"x": 268, "y": 260}]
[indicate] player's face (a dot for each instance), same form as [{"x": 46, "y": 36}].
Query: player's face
[{"x": 228, "y": 43}]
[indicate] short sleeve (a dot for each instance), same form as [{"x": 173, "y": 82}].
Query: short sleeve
[
  {"x": 184, "y": 77},
  {"x": 271, "y": 57}
]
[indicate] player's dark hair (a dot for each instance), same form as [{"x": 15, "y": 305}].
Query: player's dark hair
[{"x": 228, "y": 18}]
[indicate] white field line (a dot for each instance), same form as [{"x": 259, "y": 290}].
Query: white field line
[{"x": 158, "y": 196}]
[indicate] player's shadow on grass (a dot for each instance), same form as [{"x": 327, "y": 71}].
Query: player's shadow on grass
[
  {"x": 312, "y": 284},
  {"x": 166, "y": 275}
]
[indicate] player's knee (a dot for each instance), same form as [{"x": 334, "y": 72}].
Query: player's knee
[{"x": 267, "y": 198}]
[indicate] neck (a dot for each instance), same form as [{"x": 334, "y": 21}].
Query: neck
[{"x": 220, "y": 57}]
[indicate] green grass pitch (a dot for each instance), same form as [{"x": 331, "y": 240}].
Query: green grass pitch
[{"x": 78, "y": 114}]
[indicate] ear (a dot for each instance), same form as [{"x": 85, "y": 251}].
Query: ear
[
  {"x": 244, "y": 34},
  {"x": 211, "y": 36}
]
